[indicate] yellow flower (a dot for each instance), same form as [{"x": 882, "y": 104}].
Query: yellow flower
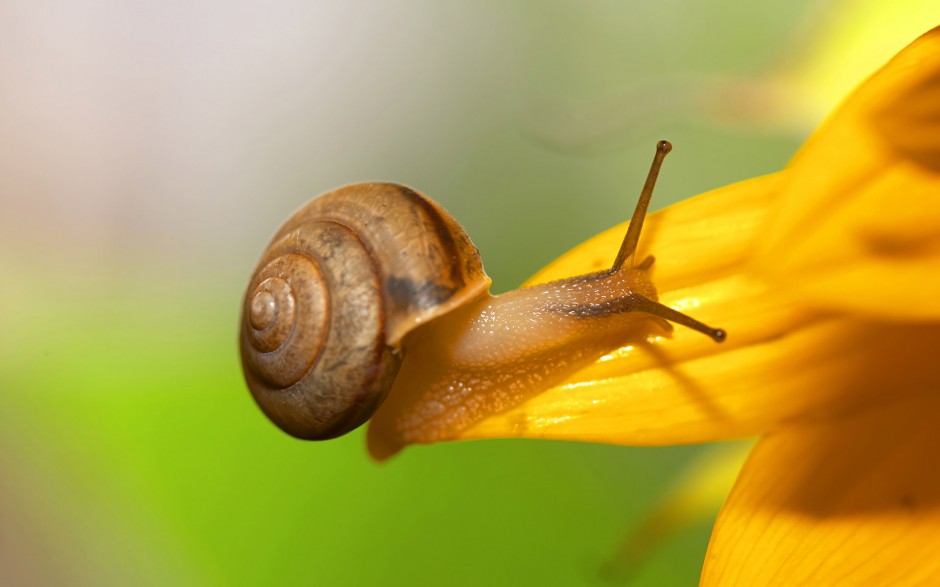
[{"x": 827, "y": 278}]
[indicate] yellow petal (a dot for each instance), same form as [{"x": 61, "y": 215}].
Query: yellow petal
[
  {"x": 819, "y": 370},
  {"x": 851, "y": 502},
  {"x": 857, "y": 226},
  {"x": 781, "y": 361}
]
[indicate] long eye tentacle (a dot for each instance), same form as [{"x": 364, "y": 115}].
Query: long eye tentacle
[
  {"x": 625, "y": 257},
  {"x": 628, "y": 248},
  {"x": 642, "y": 304}
]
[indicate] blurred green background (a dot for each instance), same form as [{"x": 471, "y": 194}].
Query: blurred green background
[{"x": 147, "y": 152}]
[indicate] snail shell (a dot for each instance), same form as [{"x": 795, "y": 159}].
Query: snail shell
[{"x": 339, "y": 286}]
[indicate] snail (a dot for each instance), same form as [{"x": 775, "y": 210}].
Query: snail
[{"x": 373, "y": 286}]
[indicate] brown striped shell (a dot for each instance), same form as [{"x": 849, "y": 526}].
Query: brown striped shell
[{"x": 342, "y": 282}]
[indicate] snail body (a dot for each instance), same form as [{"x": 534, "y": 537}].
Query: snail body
[{"x": 374, "y": 287}]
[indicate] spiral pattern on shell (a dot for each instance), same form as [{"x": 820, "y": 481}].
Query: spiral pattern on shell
[{"x": 341, "y": 284}]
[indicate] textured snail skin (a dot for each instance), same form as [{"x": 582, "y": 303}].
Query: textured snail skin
[
  {"x": 497, "y": 351},
  {"x": 336, "y": 290}
]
